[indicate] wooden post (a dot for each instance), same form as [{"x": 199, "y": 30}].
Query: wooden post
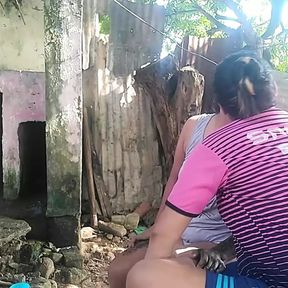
[{"x": 89, "y": 169}]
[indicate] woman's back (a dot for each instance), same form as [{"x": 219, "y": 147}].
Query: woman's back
[
  {"x": 253, "y": 197},
  {"x": 208, "y": 226}
]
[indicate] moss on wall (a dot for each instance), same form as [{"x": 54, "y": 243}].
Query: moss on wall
[
  {"x": 63, "y": 127},
  {"x": 11, "y": 184}
]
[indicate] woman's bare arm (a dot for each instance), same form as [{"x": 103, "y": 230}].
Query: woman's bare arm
[
  {"x": 166, "y": 233},
  {"x": 179, "y": 157}
]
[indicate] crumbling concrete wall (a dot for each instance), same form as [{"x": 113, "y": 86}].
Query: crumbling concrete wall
[
  {"x": 23, "y": 100},
  {"x": 22, "y": 46},
  {"x": 63, "y": 28},
  {"x": 22, "y": 82}
]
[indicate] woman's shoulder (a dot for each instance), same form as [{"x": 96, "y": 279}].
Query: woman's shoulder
[
  {"x": 192, "y": 121},
  {"x": 191, "y": 124}
]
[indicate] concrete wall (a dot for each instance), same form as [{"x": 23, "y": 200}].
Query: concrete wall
[
  {"x": 22, "y": 82},
  {"x": 63, "y": 31},
  {"x": 22, "y": 46},
  {"x": 23, "y": 100}
]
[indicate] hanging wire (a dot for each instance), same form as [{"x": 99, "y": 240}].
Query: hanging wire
[{"x": 162, "y": 33}]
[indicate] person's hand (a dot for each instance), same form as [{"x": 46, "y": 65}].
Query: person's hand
[
  {"x": 136, "y": 238},
  {"x": 132, "y": 241},
  {"x": 208, "y": 259}
]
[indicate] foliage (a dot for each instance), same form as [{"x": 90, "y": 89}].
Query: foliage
[
  {"x": 184, "y": 19},
  {"x": 104, "y": 21},
  {"x": 279, "y": 52},
  {"x": 207, "y": 19}
]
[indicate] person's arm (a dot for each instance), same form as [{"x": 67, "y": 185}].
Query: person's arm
[
  {"x": 202, "y": 174},
  {"x": 179, "y": 157},
  {"x": 165, "y": 234}
]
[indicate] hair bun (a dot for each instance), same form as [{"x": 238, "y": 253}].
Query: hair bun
[
  {"x": 251, "y": 69},
  {"x": 251, "y": 73}
]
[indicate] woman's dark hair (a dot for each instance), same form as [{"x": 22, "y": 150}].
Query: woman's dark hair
[{"x": 244, "y": 85}]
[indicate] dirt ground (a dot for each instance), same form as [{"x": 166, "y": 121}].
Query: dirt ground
[{"x": 98, "y": 253}]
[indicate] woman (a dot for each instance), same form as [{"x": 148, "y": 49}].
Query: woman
[
  {"x": 246, "y": 164},
  {"x": 204, "y": 231}
]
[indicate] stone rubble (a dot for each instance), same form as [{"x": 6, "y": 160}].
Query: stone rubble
[{"x": 40, "y": 264}]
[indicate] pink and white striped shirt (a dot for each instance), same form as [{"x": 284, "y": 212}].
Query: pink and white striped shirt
[{"x": 246, "y": 165}]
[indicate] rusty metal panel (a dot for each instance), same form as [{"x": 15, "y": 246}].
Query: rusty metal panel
[
  {"x": 124, "y": 133},
  {"x": 214, "y": 49},
  {"x": 132, "y": 43}
]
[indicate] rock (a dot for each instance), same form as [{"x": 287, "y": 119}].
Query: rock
[
  {"x": 30, "y": 252},
  {"x": 11, "y": 229},
  {"x": 53, "y": 284},
  {"x": 132, "y": 221},
  {"x": 56, "y": 257},
  {"x": 51, "y": 246},
  {"x": 72, "y": 257},
  {"x": 118, "y": 219},
  {"x": 8, "y": 277},
  {"x": 19, "y": 278},
  {"x": 87, "y": 233},
  {"x": 46, "y": 267},
  {"x": 46, "y": 251},
  {"x": 25, "y": 268},
  {"x": 112, "y": 228},
  {"x": 110, "y": 256},
  {"x": 109, "y": 237},
  {"x": 70, "y": 276},
  {"x": 117, "y": 239},
  {"x": 90, "y": 247},
  {"x": 41, "y": 283},
  {"x": 14, "y": 266},
  {"x": 12, "y": 249},
  {"x": 31, "y": 276}
]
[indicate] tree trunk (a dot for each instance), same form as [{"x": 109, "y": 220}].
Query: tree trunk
[{"x": 175, "y": 95}]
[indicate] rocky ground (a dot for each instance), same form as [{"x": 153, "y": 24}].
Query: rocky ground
[
  {"x": 98, "y": 253},
  {"x": 45, "y": 266}
]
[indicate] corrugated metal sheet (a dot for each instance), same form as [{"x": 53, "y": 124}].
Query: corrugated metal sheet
[
  {"x": 132, "y": 42},
  {"x": 125, "y": 135},
  {"x": 217, "y": 50},
  {"x": 214, "y": 49}
]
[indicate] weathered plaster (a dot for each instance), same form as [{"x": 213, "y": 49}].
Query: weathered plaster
[
  {"x": 23, "y": 100},
  {"x": 22, "y": 46},
  {"x": 63, "y": 28}
]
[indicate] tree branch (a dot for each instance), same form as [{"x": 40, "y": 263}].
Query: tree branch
[
  {"x": 226, "y": 18},
  {"x": 250, "y": 36},
  {"x": 17, "y": 4},
  {"x": 180, "y": 12},
  {"x": 2, "y": 6},
  {"x": 212, "y": 31},
  {"x": 213, "y": 20},
  {"x": 275, "y": 20}
]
